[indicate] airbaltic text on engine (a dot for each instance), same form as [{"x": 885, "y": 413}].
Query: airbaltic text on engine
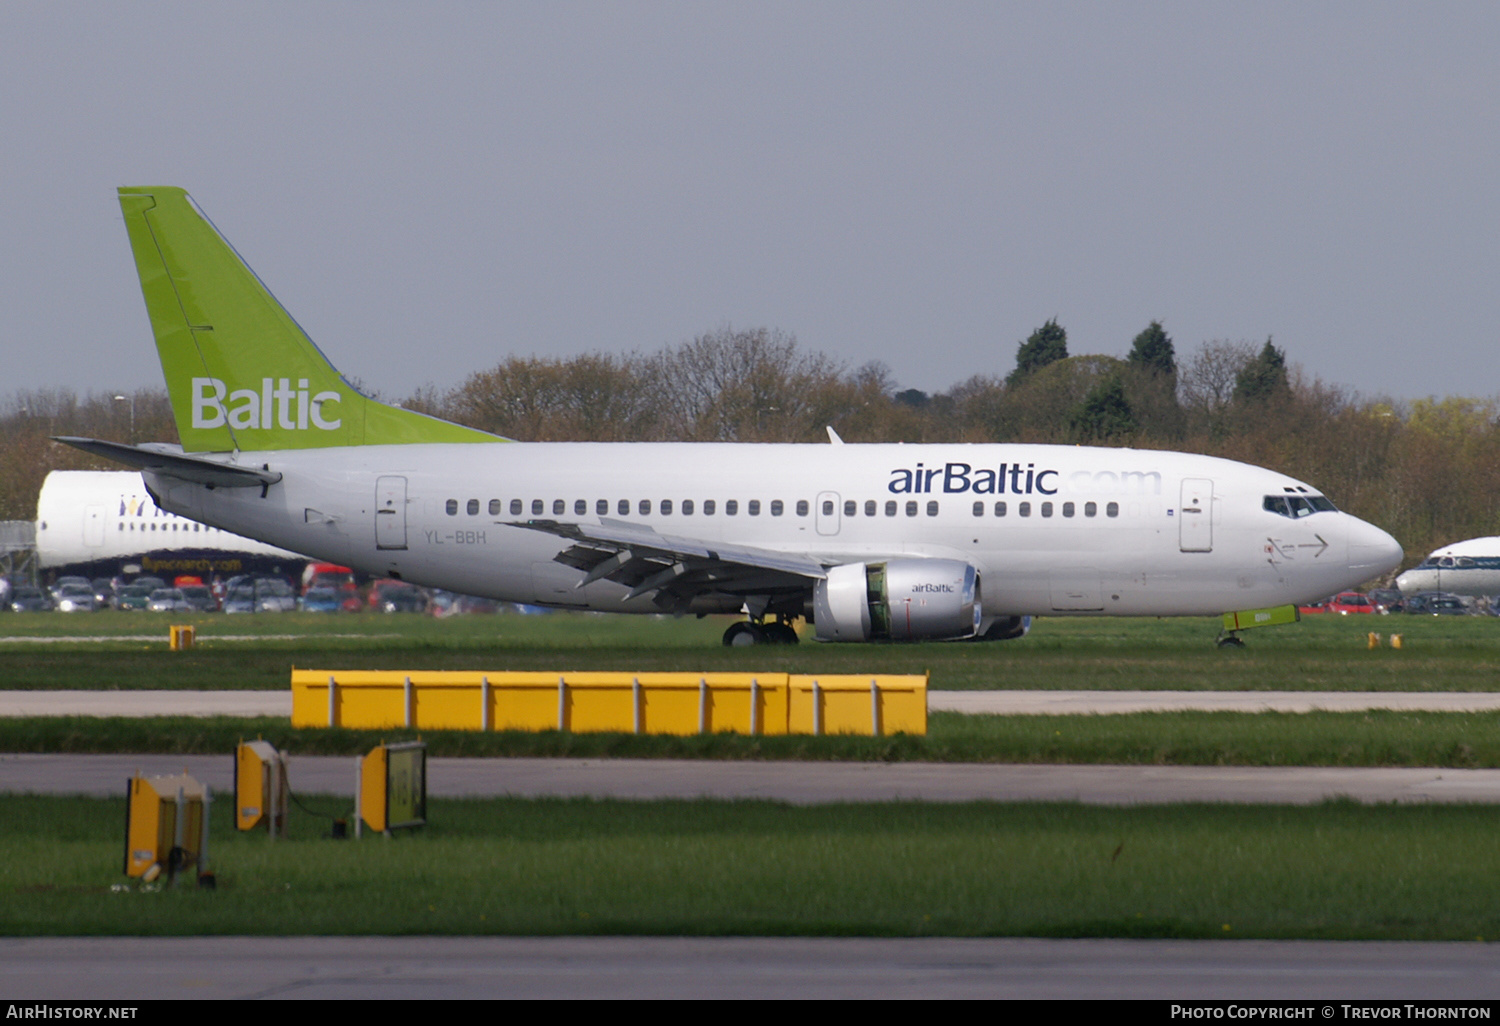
[
  {"x": 250, "y": 410},
  {"x": 958, "y": 478}
]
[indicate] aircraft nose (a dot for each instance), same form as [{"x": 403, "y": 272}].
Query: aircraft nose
[{"x": 1372, "y": 552}]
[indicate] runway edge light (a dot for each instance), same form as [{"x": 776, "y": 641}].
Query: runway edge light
[{"x": 260, "y": 787}]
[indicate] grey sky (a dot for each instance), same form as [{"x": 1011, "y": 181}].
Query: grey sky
[{"x": 431, "y": 187}]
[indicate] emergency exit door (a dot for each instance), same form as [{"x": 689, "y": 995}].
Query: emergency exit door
[
  {"x": 390, "y": 513},
  {"x": 1196, "y": 516}
]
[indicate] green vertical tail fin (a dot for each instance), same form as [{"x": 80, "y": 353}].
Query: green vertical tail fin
[{"x": 241, "y": 373}]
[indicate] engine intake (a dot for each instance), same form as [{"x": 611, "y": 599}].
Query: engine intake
[{"x": 899, "y": 600}]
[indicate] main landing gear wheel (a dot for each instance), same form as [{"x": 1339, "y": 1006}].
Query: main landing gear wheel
[
  {"x": 780, "y": 633},
  {"x": 1230, "y": 641},
  {"x": 747, "y": 632},
  {"x": 744, "y": 632}
]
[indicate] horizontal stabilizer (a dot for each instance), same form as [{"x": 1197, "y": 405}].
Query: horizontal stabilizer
[{"x": 174, "y": 463}]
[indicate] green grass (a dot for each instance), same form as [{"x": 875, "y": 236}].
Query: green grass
[
  {"x": 1321, "y": 653},
  {"x": 1337, "y": 871},
  {"x": 1376, "y": 738}
]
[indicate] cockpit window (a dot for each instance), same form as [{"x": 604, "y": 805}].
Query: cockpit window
[{"x": 1295, "y": 507}]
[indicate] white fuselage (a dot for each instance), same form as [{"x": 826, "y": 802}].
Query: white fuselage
[
  {"x": 1083, "y": 530},
  {"x": 1469, "y": 567},
  {"x": 106, "y": 519}
]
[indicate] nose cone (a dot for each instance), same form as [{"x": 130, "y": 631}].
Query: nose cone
[{"x": 1372, "y": 552}]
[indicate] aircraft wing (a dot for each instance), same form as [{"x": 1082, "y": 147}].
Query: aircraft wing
[
  {"x": 175, "y": 463},
  {"x": 676, "y": 568}
]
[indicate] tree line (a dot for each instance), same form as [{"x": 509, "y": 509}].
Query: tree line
[{"x": 1427, "y": 470}]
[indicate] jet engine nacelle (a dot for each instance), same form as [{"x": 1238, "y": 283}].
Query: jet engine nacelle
[{"x": 900, "y": 600}]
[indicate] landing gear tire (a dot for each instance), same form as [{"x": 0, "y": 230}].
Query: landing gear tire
[
  {"x": 781, "y": 633},
  {"x": 744, "y": 633},
  {"x": 1231, "y": 641}
]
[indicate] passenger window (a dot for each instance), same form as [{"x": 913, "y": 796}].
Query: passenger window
[
  {"x": 1046, "y": 509},
  {"x": 890, "y": 507},
  {"x": 932, "y": 507},
  {"x": 623, "y": 507},
  {"x": 644, "y": 507},
  {"x": 601, "y": 507},
  {"x": 708, "y": 507},
  {"x": 869, "y": 507},
  {"x": 851, "y": 508},
  {"x": 1024, "y": 509},
  {"x": 537, "y": 508},
  {"x": 687, "y": 507},
  {"x": 580, "y": 507},
  {"x": 828, "y": 507},
  {"x": 472, "y": 507},
  {"x": 979, "y": 509},
  {"x": 494, "y": 507},
  {"x": 559, "y": 507},
  {"x": 775, "y": 507},
  {"x": 515, "y": 507},
  {"x": 1090, "y": 509},
  {"x": 1067, "y": 509},
  {"x": 731, "y": 507},
  {"x": 666, "y": 507},
  {"x": 1112, "y": 510},
  {"x": 452, "y": 507},
  {"x": 911, "y": 509},
  {"x": 753, "y": 507},
  {"x": 802, "y": 507},
  {"x": 999, "y": 509}
]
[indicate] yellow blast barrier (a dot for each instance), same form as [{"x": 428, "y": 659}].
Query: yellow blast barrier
[{"x": 640, "y": 703}]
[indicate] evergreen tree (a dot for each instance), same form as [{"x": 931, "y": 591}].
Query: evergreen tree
[
  {"x": 1152, "y": 351},
  {"x": 1047, "y": 344},
  {"x": 1104, "y": 414},
  {"x": 1262, "y": 378}
]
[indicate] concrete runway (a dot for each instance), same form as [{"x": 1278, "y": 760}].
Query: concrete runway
[
  {"x": 389, "y": 968},
  {"x": 1013, "y": 703}
]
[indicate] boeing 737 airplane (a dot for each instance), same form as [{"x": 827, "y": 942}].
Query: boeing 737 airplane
[
  {"x": 103, "y": 522},
  {"x": 866, "y": 542}
]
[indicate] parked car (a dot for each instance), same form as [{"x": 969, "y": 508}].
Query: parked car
[
  {"x": 167, "y": 600},
  {"x": 134, "y": 596},
  {"x": 1347, "y": 602},
  {"x": 199, "y": 598},
  {"x": 273, "y": 595},
  {"x": 26, "y": 599},
  {"x": 74, "y": 598},
  {"x": 1437, "y": 603},
  {"x": 1387, "y": 600},
  {"x": 104, "y": 593},
  {"x": 390, "y": 596},
  {"x": 1314, "y": 607},
  {"x": 321, "y": 599},
  {"x": 68, "y": 582},
  {"x": 240, "y": 598}
]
